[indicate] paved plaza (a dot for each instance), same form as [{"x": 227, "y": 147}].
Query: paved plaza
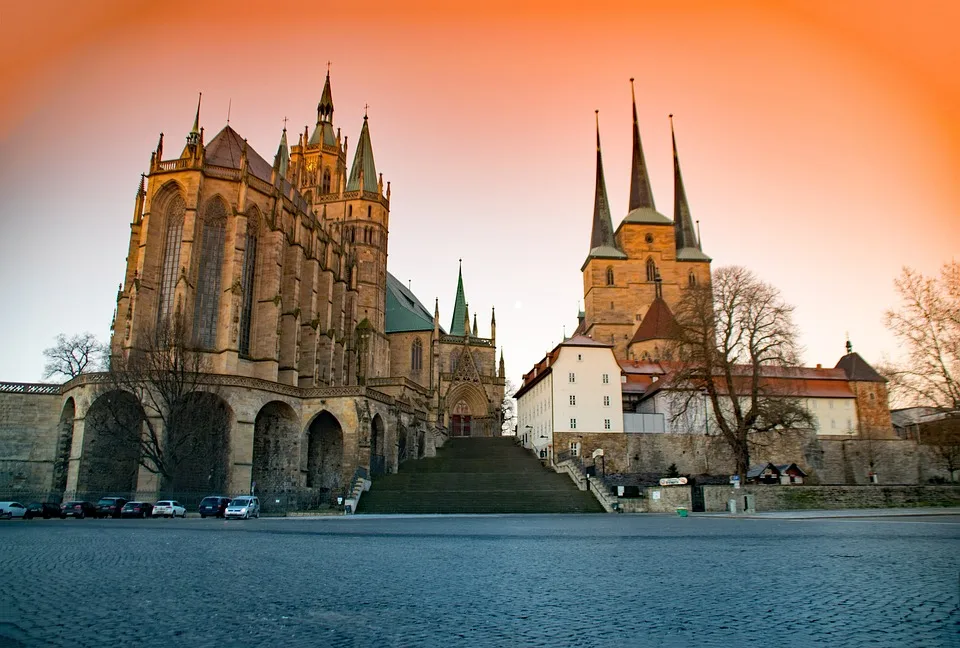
[{"x": 536, "y": 580}]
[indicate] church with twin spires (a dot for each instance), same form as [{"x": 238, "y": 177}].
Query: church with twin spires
[{"x": 633, "y": 275}]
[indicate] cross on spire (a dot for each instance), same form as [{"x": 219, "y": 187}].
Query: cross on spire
[
  {"x": 365, "y": 108},
  {"x": 284, "y": 123}
]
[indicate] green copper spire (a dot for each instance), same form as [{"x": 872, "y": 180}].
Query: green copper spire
[
  {"x": 641, "y": 195},
  {"x": 323, "y": 132},
  {"x": 459, "y": 307},
  {"x": 282, "y": 160},
  {"x": 363, "y": 174}
]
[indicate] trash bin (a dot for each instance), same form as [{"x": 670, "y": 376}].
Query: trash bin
[
  {"x": 682, "y": 511},
  {"x": 749, "y": 503},
  {"x": 732, "y": 505}
]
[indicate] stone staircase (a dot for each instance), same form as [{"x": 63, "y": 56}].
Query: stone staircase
[{"x": 477, "y": 475}]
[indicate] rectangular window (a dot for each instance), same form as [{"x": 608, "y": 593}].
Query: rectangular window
[
  {"x": 573, "y": 424},
  {"x": 575, "y": 448},
  {"x": 606, "y": 379},
  {"x": 606, "y": 424},
  {"x": 579, "y": 357},
  {"x": 572, "y": 377},
  {"x": 606, "y": 401},
  {"x": 573, "y": 399}
]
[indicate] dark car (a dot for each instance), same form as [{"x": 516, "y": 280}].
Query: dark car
[
  {"x": 137, "y": 510},
  {"x": 214, "y": 506},
  {"x": 46, "y": 510},
  {"x": 110, "y": 507},
  {"x": 78, "y": 510}
]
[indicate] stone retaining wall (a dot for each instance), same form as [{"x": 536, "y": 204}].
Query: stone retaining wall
[{"x": 794, "y": 498}]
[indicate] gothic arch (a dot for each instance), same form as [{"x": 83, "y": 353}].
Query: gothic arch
[
  {"x": 416, "y": 356},
  {"x": 276, "y": 466},
  {"x": 325, "y": 186},
  {"x": 248, "y": 278},
  {"x": 651, "y": 269},
  {"x": 609, "y": 275},
  {"x": 109, "y": 459},
  {"x": 173, "y": 209},
  {"x": 61, "y": 464},
  {"x": 692, "y": 279},
  {"x": 210, "y": 239},
  {"x": 322, "y": 454},
  {"x": 199, "y": 429},
  {"x": 378, "y": 438},
  {"x": 465, "y": 402}
]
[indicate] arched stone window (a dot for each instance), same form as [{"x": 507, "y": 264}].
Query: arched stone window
[
  {"x": 369, "y": 211},
  {"x": 454, "y": 359},
  {"x": 349, "y": 211},
  {"x": 212, "y": 231},
  {"x": 416, "y": 356},
  {"x": 247, "y": 280},
  {"x": 173, "y": 234},
  {"x": 609, "y": 275},
  {"x": 692, "y": 279},
  {"x": 325, "y": 187},
  {"x": 651, "y": 270}
]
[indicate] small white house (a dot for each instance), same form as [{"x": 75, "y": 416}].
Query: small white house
[{"x": 575, "y": 388}]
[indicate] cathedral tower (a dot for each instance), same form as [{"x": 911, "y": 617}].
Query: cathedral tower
[{"x": 647, "y": 258}]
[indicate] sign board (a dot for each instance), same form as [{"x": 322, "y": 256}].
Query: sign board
[
  {"x": 734, "y": 479},
  {"x": 597, "y": 453},
  {"x": 673, "y": 481},
  {"x": 656, "y": 495}
]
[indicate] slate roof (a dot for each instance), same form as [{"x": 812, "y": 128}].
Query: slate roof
[
  {"x": 404, "y": 311},
  {"x": 226, "y": 149},
  {"x": 691, "y": 254},
  {"x": 459, "y": 308},
  {"x": 603, "y": 245},
  {"x": 648, "y": 216},
  {"x": 856, "y": 368}
]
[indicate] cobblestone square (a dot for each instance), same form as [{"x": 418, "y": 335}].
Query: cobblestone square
[{"x": 537, "y": 580}]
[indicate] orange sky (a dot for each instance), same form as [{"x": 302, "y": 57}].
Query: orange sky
[{"x": 820, "y": 142}]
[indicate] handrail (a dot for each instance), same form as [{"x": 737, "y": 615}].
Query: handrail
[{"x": 30, "y": 388}]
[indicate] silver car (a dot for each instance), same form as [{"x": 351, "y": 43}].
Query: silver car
[
  {"x": 17, "y": 510},
  {"x": 243, "y": 507}
]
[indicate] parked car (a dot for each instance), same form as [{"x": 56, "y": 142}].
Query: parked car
[
  {"x": 214, "y": 505},
  {"x": 12, "y": 510},
  {"x": 169, "y": 508},
  {"x": 137, "y": 510},
  {"x": 46, "y": 510},
  {"x": 78, "y": 510},
  {"x": 110, "y": 507},
  {"x": 244, "y": 507}
]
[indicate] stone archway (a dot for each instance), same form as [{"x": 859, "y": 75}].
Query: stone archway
[
  {"x": 61, "y": 463},
  {"x": 197, "y": 443},
  {"x": 377, "y": 445},
  {"x": 402, "y": 447},
  {"x": 110, "y": 456},
  {"x": 467, "y": 405},
  {"x": 276, "y": 449},
  {"x": 324, "y": 453}
]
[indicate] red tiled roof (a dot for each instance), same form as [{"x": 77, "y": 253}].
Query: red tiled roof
[{"x": 657, "y": 324}]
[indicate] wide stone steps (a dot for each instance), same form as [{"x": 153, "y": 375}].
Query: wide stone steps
[{"x": 491, "y": 475}]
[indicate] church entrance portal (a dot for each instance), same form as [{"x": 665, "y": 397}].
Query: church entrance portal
[
  {"x": 377, "y": 443},
  {"x": 460, "y": 420}
]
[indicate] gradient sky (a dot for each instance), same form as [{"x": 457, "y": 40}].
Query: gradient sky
[{"x": 819, "y": 141}]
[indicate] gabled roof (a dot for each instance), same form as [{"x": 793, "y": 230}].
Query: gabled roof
[
  {"x": 404, "y": 311},
  {"x": 691, "y": 254},
  {"x": 658, "y": 324},
  {"x": 226, "y": 149},
  {"x": 583, "y": 341},
  {"x": 856, "y": 368}
]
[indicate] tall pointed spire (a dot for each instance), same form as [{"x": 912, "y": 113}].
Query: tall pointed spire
[
  {"x": 459, "y": 307},
  {"x": 323, "y": 133},
  {"x": 325, "y": 107},
  {"x": 282, "y": 160},
  {"x": 640, "y": 193},
  {"x": 682, "y": 222},
  {"x": 602, "y": 242},
  {"x": 363, "y": 174},
  {"x": 193, "y": 138}
]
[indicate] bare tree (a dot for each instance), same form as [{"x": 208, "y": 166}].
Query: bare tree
[
  {"x": 72, "y": 356},
  {"x": 180, "y": 426},
  {"x": 735, "y": 343},
  {"x": 927, "y": 323}
]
